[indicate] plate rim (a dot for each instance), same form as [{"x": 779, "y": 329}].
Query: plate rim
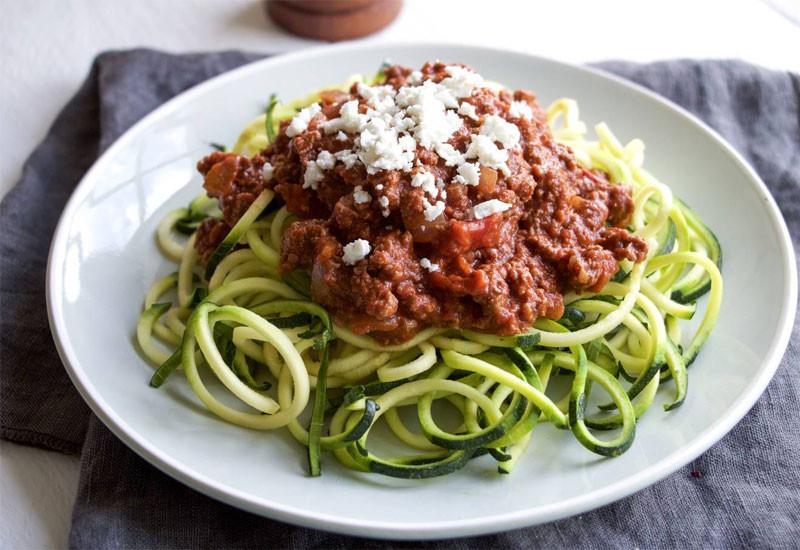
[{"x": 430, "y": 529}]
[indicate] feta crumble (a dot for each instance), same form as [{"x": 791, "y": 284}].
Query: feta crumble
[
  {"x": 355, "y": 251},
  {"x": 469, "y": 173},
  {"x": 360, "y": 196},
  {"x": 427, "y": 182},
  {"x": 350, "y": 119},
  {"x": 347, "y": 157},
  {"x": 450, "y": 155},
  {"x": 499, "y": 129},
  {"x": 379, "y": 148},
  {"x": 427, "y": 264},
  {"x": 488, "y": 153},
  {"x": 300, "y": 121},
  {"x": 520, "y": 109},
  {"x": 433, "y": 211},
  {"x": 312, "y": 176},
  {"x": 421, "y": 114},
  {"x": 426, "y": 105},
  {"x": 408, "y": 143},
  {"x": 325, "y": 160},
  {"x": 468, "y": 110},
  {"x": 487, "y": 208},
  {"x": 384, "y": 202},
  {"x": 461, "y": 81},
  {"x": 380, "y": 98},
  {"x": 266, "y": 171}
]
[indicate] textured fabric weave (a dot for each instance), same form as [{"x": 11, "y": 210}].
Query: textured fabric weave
[{"x": 744, "y": 492}]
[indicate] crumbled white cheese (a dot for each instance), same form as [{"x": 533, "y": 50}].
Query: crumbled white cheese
[
  {"x": 520, "y": 109},
  {"x": 300, "y": 121},
  {"x": 379, "y": 187},
  {"x": 347, "y": 157},
  {"x": 426, "y": 105},
  {"x": 488, "y": 153},
  {"x": 450, "y": 155},
  {"x": 433, "y": 211},
  {"x": 379, "y": 148},
  {"x": 380, "y": 98},
  {"x": 350, "y": 119},
  {"x": 314, "y": 172},
  {"x": 469, "y": 173},
  {"x": 355, "y": 251},
  {"x": 487, "y": 208},
  {"x": 384, "y": 202},
  {"x": 446, "y": 97},
  {"x": 360, "y": 196},
  {"x": 427, "y": 264},
  {"x": 397, "y": 122},
  {"x": 427, "y": 182},
  {"x": 468, "y": 110},
  {"x": 440, "y": 188},
  {"x": 461, "y": 81},
  {"x": 499, "y": 129},
  {"x": 325, "y": 160},
  {"x": 408, "y": 143},
  {"x": 312, "y": 176},
  {"x": 267, "y": 171},
  {"x": 403, "y": 123}
]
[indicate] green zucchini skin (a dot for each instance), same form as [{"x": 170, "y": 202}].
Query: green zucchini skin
[
  {"x": 669, "y": 242},
  {"x": 165, "y": 369},
  {"x": 694, "y": 290},
  {"x": 242, "y": 369},
  {"x": 525, "y": 365},
  {"x": 677, "y": 369},
  {"x": 482, "y": 438},
  {"x": 356, "y": 393},
  {"x": 572, "y": 317},
  {"x": 411, "y": 468},
  {"x": 190, "y": 225},
  {"x": 317, "y": 417},
  {"x": 237, "y": 231},
  {"x": 300, "y": 281},
  {"x": 268, "y": 119},
  {"x": 357, "y": 431}
]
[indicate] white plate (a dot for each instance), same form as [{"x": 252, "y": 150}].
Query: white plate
[{"x": 104, "y": 257}]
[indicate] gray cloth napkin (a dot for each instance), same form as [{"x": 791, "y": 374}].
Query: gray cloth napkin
[{"x": 744, "y": 492}]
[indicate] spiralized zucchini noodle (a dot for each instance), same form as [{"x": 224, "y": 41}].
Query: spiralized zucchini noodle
[{"x": 280, "y": 354}]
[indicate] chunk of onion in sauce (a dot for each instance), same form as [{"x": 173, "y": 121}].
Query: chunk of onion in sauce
[{"x": 487, "y": 181}]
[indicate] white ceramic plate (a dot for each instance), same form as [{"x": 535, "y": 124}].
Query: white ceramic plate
[{"x": 104, "y": 258}]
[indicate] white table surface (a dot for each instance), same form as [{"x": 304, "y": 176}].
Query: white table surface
[{"x": 47, "y": 46}]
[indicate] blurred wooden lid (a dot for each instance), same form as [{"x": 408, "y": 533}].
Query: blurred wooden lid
[{"x": 333, "y": 20}]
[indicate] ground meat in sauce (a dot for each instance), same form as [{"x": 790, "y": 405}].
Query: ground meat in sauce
[
  {"x": 564, "y": 229},
  {"x": 235, "y": 181}
]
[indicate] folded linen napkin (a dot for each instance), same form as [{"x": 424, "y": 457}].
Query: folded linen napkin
[{"x": 745, "y": 491}]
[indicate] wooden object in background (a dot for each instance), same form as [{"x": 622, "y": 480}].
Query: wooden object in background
[{"x": 333, "y": 20}]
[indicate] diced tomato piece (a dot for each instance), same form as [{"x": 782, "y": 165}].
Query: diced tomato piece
[
  {"x": 220, "y": 178},
  {"x": 472, "y": 234}
]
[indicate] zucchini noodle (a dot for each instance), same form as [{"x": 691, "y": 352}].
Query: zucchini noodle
[{"x": 279, "y": 354}]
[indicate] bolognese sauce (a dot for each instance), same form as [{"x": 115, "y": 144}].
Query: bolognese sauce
[{"x": 432, "y": 199}]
